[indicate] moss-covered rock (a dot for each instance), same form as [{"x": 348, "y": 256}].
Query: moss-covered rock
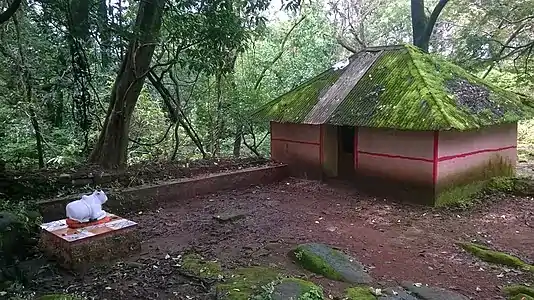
[
  {"x": 330, "y": 263},
  {"x": 195, "y": 265},
  {"x": 292, "y": 288},
  {"x": 496, "y": 257},
  {"x": 359, "y": 293},
  {"x": 518, "y": 291},
  {"x": 521, "y": 297},
  {"x": 242, "y": 284}
]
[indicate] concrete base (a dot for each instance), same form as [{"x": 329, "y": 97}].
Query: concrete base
[{"x": 78, "y": 249}]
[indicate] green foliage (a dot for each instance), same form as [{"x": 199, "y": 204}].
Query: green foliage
[{"x": 19, "y": 229}]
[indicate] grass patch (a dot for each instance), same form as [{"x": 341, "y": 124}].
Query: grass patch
[
  {"x": 243, "y": 284},
  {"x": 496, "y": 257},
  {"x": 196, "y": 265}
]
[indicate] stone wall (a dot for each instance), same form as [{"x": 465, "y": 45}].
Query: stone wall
[{"x": 169, "y": 193}]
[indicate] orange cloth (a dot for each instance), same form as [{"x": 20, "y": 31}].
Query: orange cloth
[{"x": 75, "y": 224}]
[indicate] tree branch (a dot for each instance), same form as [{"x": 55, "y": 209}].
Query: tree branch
[
  {"x": 10, "y": 11},
  {"x": 504, "y": 47},
  {"x": 432, "y": 22},
  {"x": 280, "y": 53},
  {"x": 346, "y": 45}
]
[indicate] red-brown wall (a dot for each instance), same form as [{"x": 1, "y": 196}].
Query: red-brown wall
[
  {"x": 394, "y": 154},
  {"x": 438, "y": 160},
  {"x": 299, "y": 146},
  {"x": 466, "y": 156}
]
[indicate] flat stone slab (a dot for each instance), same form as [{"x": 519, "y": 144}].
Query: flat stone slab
[
  {"x": 230, "y": 216},
  {"x": 82, "y": 247},
  {"x": 398, "y": 293},
  {"x": 294, "y": 288},
  {"x": 331, "y": 263},
  {"x": 424, "y": 292}
]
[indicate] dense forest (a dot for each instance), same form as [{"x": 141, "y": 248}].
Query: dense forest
[
  {"x": 119, "y": 82},
  {"x": 114, "y": 84}
]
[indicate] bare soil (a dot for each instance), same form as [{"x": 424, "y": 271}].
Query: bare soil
[{"x": 396, "y": 242}]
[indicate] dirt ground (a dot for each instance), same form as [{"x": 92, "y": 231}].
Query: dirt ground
[{"x": 396, "y": 242}]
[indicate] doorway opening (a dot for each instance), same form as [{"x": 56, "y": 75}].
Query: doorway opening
[{"x": 346, "y": 151}]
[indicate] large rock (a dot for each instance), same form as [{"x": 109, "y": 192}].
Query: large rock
[
  {"x": 294, "y": 288},
  {"x": 397, "y": 293},
  {"x": 333, "y": 264},
  {"x": 432, "y": 293}
]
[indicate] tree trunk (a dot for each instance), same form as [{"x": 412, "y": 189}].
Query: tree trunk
[
  {"x": 37, "y": 130},
  {"x": 418, "y": 22},
  {"x": 111, "y": 150},
  {"x": 105, "y": 47},
  {"x": 27, "y": 83},
  {"x": 10, "y": 11},
  {"x": 238, "y": 141},
  {"x": 422, "y": 26}
]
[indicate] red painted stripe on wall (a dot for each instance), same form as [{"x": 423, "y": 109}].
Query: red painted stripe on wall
[
  {"x": 450, "y": 157},
  {"x": 356, "y": 147},
  {"x": 396, "y": 156},
  {"x": 435, "y": 158},
  {"x": 444, "y": 158},
  {"x": 296, "y": 142}
]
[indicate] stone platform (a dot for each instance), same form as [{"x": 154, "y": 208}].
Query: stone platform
[{"x": 77, "y": 249}]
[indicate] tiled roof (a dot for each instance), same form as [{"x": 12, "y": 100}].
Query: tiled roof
[{"x": 398, "y": 87}]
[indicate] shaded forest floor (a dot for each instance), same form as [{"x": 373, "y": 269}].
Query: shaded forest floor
[{"x": 396, "y": 242}]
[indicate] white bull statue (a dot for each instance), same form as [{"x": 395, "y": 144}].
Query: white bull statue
[{"x": 88, "y": 208}]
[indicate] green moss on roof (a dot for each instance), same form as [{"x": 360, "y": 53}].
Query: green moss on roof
[
  {"x": 407, "y": 89},
  {"x": 293, "y": 106}
]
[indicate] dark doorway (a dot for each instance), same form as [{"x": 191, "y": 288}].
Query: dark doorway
[{"x": 346, "y": 151}]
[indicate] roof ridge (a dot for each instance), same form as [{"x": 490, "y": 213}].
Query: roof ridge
[{"x": 447, "y": 119}]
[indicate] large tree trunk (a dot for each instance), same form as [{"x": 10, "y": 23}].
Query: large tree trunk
[
  {"x": 418, "y": 21},
  {"x": 10, "y": 11},
  {"x": 111, "y": 150},
  {"x": 422, "y": 26}
]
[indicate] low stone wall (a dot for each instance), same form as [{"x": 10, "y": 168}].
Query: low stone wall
[{"x": 144, "y": 197}]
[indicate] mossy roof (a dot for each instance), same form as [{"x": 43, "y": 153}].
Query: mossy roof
[{"x": 400, "y": 87}]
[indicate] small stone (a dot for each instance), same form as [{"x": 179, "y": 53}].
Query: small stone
[{"x": 230, "y": 216}]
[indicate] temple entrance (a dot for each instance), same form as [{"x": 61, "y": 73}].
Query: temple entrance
[{"x": 346, "y": 151}]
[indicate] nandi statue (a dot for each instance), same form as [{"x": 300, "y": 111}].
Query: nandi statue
[{"x": 87, "y": 209}]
